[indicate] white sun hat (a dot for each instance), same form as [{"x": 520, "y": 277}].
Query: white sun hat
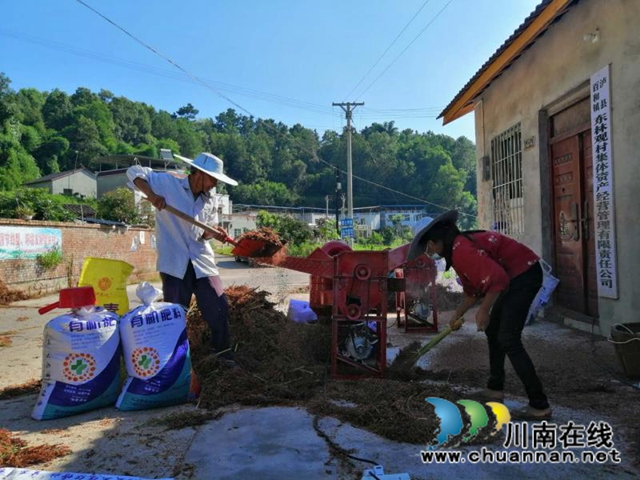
[{"x": 209, "y": 164}]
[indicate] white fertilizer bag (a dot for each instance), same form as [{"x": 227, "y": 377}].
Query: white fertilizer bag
[
  {"x": 156, "y": 354},
  {"x": 80, "y": 363},
  {"x": 549, "y": 284},
  {"x": 301, "y": 312},
  {"x": 25, "y": 474}
]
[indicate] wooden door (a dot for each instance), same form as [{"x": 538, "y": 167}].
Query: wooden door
[
  {"x": 568, "y": 202},
  {"x": 572, "y": 160}
]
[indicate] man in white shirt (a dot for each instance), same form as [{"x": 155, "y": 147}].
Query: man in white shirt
[{"x": 185, "y": 259}]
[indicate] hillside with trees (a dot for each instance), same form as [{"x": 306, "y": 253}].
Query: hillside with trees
[{"x": 46, "y": 132}]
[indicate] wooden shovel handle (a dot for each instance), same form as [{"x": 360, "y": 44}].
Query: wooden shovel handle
[{"x": 219, "y": 235}]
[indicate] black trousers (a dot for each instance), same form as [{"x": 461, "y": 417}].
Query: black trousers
[
  {"x": 212, "y": 303},
  {"x": 504, "y": 334}
]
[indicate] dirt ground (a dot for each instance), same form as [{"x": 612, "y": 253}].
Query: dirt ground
[{"x": 580, "y": 373}]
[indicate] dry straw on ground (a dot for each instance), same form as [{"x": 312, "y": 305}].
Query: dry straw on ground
[
  {"x": 285, "y": 363},
  {"x": 8, "y": 296},
  {"x": 27, "y": 388},
  {"x": 14, "y": 451}
]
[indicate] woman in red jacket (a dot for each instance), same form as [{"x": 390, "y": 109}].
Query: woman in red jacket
[{"x": 506, "y": 275}]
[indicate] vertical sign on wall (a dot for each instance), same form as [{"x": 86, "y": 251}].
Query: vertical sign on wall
[{"x": 604, "y": 206}]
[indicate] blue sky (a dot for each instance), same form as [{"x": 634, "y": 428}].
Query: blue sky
[{"x": 282, "y": 59}]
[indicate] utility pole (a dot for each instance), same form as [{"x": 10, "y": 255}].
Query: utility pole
[
  {"x": 338, "y": 191},
  {"x": 348, "y": 108},
  {"x": 326, "y": 211}
]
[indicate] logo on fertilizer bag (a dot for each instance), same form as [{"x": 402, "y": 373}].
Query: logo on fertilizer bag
[
  {"x": 104, "y": 283},
  {"x": 145, "y": 361},
  {"x": 79, "y": 367},
  {"x": 542, "y": 442}
]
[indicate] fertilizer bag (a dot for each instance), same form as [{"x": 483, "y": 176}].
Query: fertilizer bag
[
  {"x": 301, "y": 312},
  {"x": 80, "y": 363},
  {"x": 108, "y": 278},
  {"x": 549, "y": 284},
  {"x": 156, "y": 354}
]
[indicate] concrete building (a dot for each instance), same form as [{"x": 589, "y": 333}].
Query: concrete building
[
  {"x": 112, "y": 169},
  {"x": 557, "y": 108},
  {"x": 312, "y": 218},
  {"x": 369, "y": 220},
  {"x": 109, "y": 180},
  {"x": 408, "y": 215},
  {"x": 237, "y": 223},
  {"x": 79, "y": 182}
]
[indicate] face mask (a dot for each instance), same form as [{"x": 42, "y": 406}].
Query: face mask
[{"x": 433, "y": 256}]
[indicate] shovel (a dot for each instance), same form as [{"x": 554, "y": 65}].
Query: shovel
[
  {"x": 438, "y": 338},
  {"x": 406, "y": 362},
  {"x": 246, "y": 247}
]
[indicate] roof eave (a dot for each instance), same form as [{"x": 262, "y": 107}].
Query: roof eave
[{"x": 464, "y": 103}]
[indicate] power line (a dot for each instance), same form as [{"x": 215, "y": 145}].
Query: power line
[
  {"x": 387, "y": 116},
  {"x": 249, "y": 113},
  {"x": 396, "y": 191},
  {"x": 161, "y": 72},
  {"x": 405, "y": 49},
  {"x": 411, "y": 196},
  {"x": 390, "y": 110},
  {"x": 401, "y": 111},
  {"x": 161, "y": 55},
  {"x": 388, "y": 48}
]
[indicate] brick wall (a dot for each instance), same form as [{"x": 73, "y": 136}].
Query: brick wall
[{"x": 79, "y": 241}]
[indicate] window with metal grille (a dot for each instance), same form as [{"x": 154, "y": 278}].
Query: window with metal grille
[{"x": 506, "y": 171}]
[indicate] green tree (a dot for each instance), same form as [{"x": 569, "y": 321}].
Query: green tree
[
  {"x": 188, "y": 112},
  {"x": 7, "y": 110},
  {"x": 326, "y": 230},
  {"x": 105, "y": 95},
  {"x": 132, "y": 120},
  {"x": 85, "y": 137},
  {"x": 163, "y": 126},
  {"x": 83, "y": 97},
  {"x": 119, "y": 206},
  {"x": 16, "y": 165},
  {"x": 275, "y": 164},
  {"x": 170, "y": 144},
  {"x": 188, "y": 138},
  {"x": 57, "y": 110},
  {"x": 288, "y": 228},
  {"x": 52, "y": 148},
  {"x": 29, "y": 103},
  {"x": 228, "y": 122},
  {"x": 44, "y": 205},
  {"x": 29, "y": 138},
  {"x": 99, "y": 113},
  {"x": 264, "y": 193}
]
